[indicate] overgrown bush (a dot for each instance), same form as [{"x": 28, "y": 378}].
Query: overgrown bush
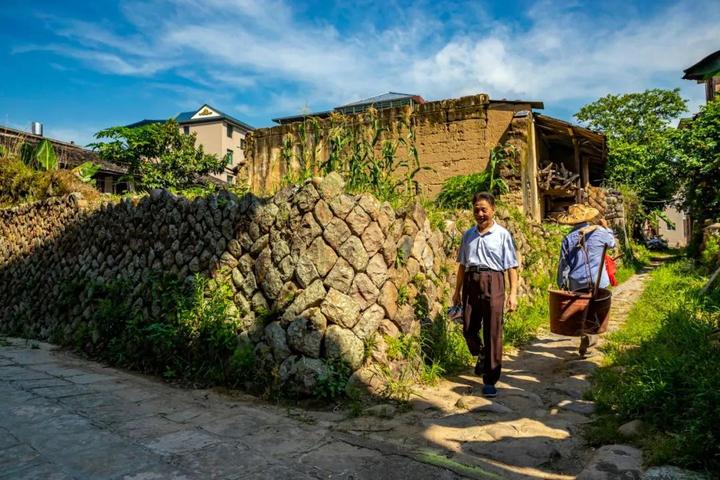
[
  {"x": 457, "y": 191},
  {"x": 710, "y": 255},
  {"x": 661, "y": 368},
  {"x": 20, "y": 183},
  {"x": 191, "y": 333}
]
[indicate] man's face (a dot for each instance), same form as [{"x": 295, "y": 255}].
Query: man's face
[{"x": 483, "y": 212}]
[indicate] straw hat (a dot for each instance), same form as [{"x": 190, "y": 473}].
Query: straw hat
[{"x": 578, "y": 213}]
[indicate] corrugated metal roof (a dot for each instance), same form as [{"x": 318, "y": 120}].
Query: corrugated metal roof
[{"x": 384, "y": 97}]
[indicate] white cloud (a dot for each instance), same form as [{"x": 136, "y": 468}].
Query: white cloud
[{"x": 563, "y": 55}]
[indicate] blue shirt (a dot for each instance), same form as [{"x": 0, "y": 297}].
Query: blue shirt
[
  {"x": 574, "y": 272},
  {"x": 493, "y": 249}
]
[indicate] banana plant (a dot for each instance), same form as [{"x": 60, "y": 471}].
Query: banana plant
[
  {"x": 45, "y": 158},
  {"x": 86, "y": 171}
]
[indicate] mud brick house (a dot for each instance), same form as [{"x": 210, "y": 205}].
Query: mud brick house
[
  {"x": 555, "y": 160},
  {"x": 108, "y": 179}
]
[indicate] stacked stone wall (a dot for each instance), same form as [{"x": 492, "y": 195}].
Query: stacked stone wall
[
  {"x": 333, "y": 265},
  {"x": 609, "y": 202}
]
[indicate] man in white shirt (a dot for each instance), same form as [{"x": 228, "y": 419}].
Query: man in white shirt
[{"x": 486, "y": 252}]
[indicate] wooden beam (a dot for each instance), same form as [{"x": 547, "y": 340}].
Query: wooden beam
[
  {"x": 534, "y": 206},
  {"x": 578, "y": 168}
]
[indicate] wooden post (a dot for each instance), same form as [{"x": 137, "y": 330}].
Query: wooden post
[
  {"x": 535, "y": 208},
  {"x": 578, "y": 169}
]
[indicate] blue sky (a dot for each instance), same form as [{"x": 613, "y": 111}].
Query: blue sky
[{"x": 80, "y": 66}]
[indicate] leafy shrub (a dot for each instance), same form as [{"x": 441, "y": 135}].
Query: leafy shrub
[
  {"x": 710, "y": 255},
  {"x": 444, "y": 346},
  {"x": 20, "y": 183},
  {"x": 192, "y": 337},
  {"x": 662, "y": 368},
  {"x": 457, "y": 191},
  {"x": 331, "y": 385}
]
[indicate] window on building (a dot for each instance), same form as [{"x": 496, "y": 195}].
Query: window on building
[
  {"x": 186, "y": 130},
  {"x": 242, "y": 143},
  {"x": 229, "y": 157},
  {"x": 229, "y": 131},
  {"x": 230, "y": 179}
]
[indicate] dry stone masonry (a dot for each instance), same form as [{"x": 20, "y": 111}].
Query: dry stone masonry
[
  {"x": 331, "y": 265},
  {"x": 610, "y": 204}
]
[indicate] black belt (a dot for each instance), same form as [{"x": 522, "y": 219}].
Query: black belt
[{"x": 477, "y": 268}]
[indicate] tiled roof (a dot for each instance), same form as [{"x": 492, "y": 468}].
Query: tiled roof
[
  {"x": 186, "y": 117},
  {"x": 705, "y": 69}
]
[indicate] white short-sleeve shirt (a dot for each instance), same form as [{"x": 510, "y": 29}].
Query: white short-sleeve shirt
[{"x": 493, "y": 249}]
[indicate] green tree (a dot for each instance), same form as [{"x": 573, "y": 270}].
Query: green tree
[
  {"x": 699, "y": 148},
  {"x": 639, "y": 132},
  {"x": 157, "y": 155}
]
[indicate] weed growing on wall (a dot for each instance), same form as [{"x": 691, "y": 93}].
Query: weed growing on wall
[
  {"x": 444, "y": 345},
  {"x": 191, "y": 332},
  {"x": 457, "y": 191},
  {"x": 331, "y": 385}
]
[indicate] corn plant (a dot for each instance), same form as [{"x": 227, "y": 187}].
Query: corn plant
[{"x": 362, "y": 148}]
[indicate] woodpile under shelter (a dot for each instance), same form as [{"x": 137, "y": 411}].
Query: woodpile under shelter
[{"x": 569, "y": 158}]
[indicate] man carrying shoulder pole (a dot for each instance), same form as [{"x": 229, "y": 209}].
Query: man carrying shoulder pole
[
  {"x": 581, "y": 256},
  {"x": 486, "y": 252}
]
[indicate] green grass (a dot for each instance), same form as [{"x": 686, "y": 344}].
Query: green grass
[
  {"x": 662, "y": 368},
  {"x": 444, "y": 346},
  {"x": 523, "y": 325}
]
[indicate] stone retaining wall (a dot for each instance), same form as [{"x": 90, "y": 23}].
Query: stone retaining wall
[
  {"x": 334, "y": 264},
  {"x": 609, "y": 202}
]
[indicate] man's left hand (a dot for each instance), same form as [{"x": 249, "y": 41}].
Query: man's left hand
[{"x": 512, "y": 303}]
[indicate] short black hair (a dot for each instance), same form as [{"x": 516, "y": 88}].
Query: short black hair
[{"x": 487, "y": 196}]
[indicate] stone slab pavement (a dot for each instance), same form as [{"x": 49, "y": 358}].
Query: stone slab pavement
[{"x": 63, "y": 417}]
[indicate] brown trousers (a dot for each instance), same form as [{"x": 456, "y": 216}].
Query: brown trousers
[{"x": 483, "y": 295}]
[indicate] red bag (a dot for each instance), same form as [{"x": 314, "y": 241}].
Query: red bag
[{"x": 611, "y": 268}]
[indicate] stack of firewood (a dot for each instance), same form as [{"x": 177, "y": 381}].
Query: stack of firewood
[{"x": 557, "y": 177}]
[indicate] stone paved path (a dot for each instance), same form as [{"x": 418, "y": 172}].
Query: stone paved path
[
  {"x": 531, "y": 430},
  {"x": 62, "y": 417},
  {"x": 65, "y": 418}
]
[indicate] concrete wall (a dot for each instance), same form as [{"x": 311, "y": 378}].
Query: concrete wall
[
  {"x": 453, "y": 137},
  {"x": 213, "y": 137},
  {"x": 679, "y": 236}
]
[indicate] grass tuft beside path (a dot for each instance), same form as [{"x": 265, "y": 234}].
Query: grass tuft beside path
[{"x": 662, "y": 368}]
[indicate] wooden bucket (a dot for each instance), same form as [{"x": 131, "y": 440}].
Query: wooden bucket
[{"x": 567, "y": 312}]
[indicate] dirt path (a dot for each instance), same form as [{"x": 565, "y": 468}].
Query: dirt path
[{"x": 531, "y": 430}]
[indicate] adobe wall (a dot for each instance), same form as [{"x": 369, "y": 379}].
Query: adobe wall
[{"x": 453, "y": 137}]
